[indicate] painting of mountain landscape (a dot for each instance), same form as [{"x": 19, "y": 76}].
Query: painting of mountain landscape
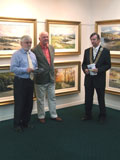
[
  {"x": 63, "y": 41},
  {"x": 63, "y": 37},
  {"x": 110, "y": 37},
  {"x": 10, "y": 34}
]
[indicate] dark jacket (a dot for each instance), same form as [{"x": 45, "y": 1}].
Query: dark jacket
[
  {"x": 103, "y": 64},
  {"x": 47, "y": 73}
]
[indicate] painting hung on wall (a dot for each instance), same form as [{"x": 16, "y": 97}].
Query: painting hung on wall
[
  {"x": 6, "y": 85},
  {"x": 64, "y": 36},
  {"x": 113, "y": 79},
  {"x": 67, "y": 77},
  {"x": 110, "y": 36},
  {"x": 11, "y": 30}
]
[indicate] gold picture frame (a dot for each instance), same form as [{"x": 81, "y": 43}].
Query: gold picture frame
[
  {"x": 12, "y": 29},
  {"x": 109, "y": 31},
  {"x": 113, "y": 79},
  {"x": 67, "y": 77},
  {"x": 64, "y": 36},
  {"x": 6, "y": 86}
]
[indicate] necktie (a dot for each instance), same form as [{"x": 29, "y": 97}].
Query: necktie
[
  {"x": 30, "y": 65},
  {"x": 95, "y": 53}
]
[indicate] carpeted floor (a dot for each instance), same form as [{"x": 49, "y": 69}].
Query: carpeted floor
[{"x": 72, "y": 139}]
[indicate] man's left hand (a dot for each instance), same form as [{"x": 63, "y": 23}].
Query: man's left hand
[{"x": 95, "y": 70}]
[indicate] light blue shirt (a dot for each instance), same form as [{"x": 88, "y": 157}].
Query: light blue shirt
[{"x": 19, "y": 63}]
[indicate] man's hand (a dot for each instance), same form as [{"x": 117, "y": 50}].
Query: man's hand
[
  {"x": 29, "y": 70},
  {"x": 95, "y": 70},
  {"x": 86, "y": 71}
]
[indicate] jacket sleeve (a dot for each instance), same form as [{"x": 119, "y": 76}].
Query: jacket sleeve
[
  {"x": 107, "y": 62},
  {"x": 84, "y": 64}
]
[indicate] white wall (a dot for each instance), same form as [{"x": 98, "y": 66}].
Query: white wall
[
  {"x": 85, "y": 11},
  {"x": 105, "y": 10}
]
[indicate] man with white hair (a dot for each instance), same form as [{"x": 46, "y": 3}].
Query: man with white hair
[
  {"x": 44, "y": 81},
  {"x": 23, "y": 63}
]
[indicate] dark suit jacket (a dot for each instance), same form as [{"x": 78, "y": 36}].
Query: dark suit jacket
[
  {"x": 48, "y": 70},
  {"x": 103, "y": 64}
]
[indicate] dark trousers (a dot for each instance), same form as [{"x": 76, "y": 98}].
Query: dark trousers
[
  {"x": 89, "y": 92},
  {"x": 23, "y": 97}
]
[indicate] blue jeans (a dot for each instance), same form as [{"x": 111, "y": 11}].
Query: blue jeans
[{"x": 48, "y": 88}]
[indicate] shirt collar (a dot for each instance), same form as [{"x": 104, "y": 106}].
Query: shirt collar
[
  {"x": 96, "y": 48},
  {"x": 24, "y": 51}
]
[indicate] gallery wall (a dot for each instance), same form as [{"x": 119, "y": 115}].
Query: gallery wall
[{"x": 85, "y": 11}]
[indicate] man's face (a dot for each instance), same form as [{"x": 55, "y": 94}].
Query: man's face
[
  {"x": 26, "y": 44},
  {"x": 44, "y": 39},
  {"x": 95, "y": 41}
]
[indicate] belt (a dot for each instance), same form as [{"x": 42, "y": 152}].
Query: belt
[{"x": 26, "y": 79}]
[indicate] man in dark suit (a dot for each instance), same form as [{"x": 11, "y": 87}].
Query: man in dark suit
[
  {"x": 95, "y": 64},
  {"x": 44, "y": 80}
]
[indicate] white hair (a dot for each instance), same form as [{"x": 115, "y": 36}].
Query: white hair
[{"x": 25, "y": 37}]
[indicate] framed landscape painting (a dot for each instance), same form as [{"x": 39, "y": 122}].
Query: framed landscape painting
[
  {"x": 64, "y": 36},
  {"x": 11, "y": 30},
  {"x": 6, "y": 85},
  {"x": 110, "y": 36},
  {"x": 67, "y": 77},
  {"x": 113, "y": 79}
]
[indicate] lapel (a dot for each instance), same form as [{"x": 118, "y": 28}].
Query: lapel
[{"x": 97, "y": 56}]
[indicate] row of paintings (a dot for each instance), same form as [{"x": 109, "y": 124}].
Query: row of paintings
[
  {"x": 65, "y": 36},
  {"x": 67, "y": 77}
]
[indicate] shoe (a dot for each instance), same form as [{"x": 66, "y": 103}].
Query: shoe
[
  {"x": 57, "y": 119},
  {"x": 102, "y": 120},
  {"x": 86, "y": 118},
  {"x": 42, "y": 120},
  {"x": 19, "y": 129}
]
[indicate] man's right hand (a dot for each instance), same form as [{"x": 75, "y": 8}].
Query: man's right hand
[
  {"x": 86, "y": 71},
  {"x": 29, "y": 70}
]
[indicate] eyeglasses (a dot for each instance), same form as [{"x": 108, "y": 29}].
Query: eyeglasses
[{"x": 28, "y": 42}]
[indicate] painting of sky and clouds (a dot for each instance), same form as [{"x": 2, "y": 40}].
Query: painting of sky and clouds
[{"x": 10, "y": 34}]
